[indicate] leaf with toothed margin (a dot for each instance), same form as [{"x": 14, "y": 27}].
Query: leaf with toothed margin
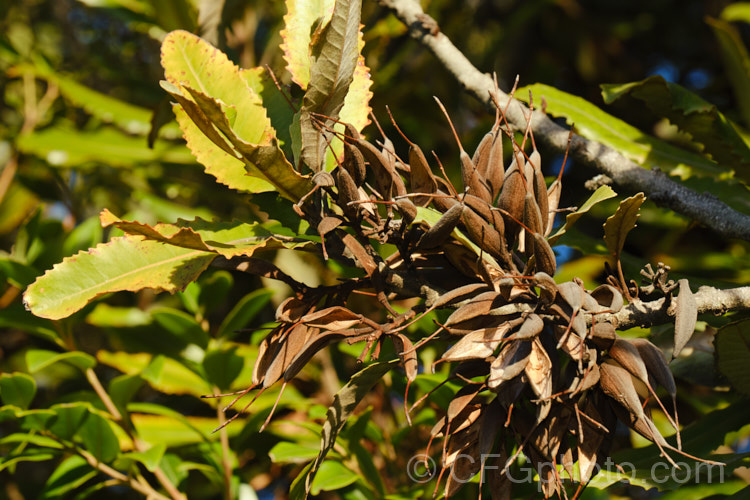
[
  {"x": 216, "y": 98},
  {"x": 334, "y": 59},
  {"x": 163, "y": 257}
]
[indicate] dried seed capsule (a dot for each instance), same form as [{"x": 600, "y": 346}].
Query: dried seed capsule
[
  {"x": 421, "y": 178},
  {"x": 347, "y": 192},
  {"x": 495, "y": 174},
  {"x": 407, "y": 209},
  {"x": 354, "y": 163},
  {"x": 484, "y": 235},
  {"x": 540, "y": 192},
  {"x": 544, "y": 255},
  {"x": 532, "y": 219},
  {"x": 473, "y": 180},
  {"x": 481, "y": 156},
  {"x": 442, "y": 229},
  {"x": 512, "y": 199}
]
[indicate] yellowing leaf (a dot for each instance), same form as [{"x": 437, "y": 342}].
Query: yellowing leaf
[
  {"x": 299, "y": 20},
  {"x": 334, "y": 58},
  {"x": 125, "y": 263},
  {"x": 619, "y": 225},
  {"x": 216, "y": 97}
]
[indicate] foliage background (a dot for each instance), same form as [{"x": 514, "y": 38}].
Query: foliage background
[{"x": 69, "y": 153}]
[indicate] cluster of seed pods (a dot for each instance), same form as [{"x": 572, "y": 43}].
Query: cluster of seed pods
[{"x": 538, "y": 374}]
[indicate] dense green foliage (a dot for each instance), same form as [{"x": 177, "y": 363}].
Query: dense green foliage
[{"x": 105, "y": 386}]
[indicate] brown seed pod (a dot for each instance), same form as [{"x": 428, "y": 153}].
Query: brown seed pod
[
  {"x": 347, "y": 192},
  {"x": 441, "y": 231},
  {"x": 421, "y": 177},
  {"x": 354, "y": 163},
  {"x": 484, "y": 235},
  {"x": 509, "y": 363},
  {"x": 495, "y": 174},
  {"x": 407, "y": 209},
  {"x": 540, "y": 193},
  {"x": 481, "y": 156},
  {"x": 544, "y": 256},
  {"x": 512, "y": 199}
]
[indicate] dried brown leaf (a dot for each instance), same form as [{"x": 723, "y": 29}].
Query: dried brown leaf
[{"x": 332, "y": 318}]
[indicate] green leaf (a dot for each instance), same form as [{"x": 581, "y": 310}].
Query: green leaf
[
  {"x": 244, "y": 312},
  {"x": 149, "y": 458},
  {"x": 333, "y": 61},
  {"x": 293, "y": 453},
  {"x": 72, "y": 472},
  {"x": 222, "y": 367},
  {"x": 31, "y": 455},
  {"x": 332, "y": 476},
  {"x": 736, "y": 61},
  {"x": 213, "y": 94},
  {"x": 163, "y": 374},
  {"x": 122, "y": 389},
  {"x": 64, "y": 146},
  {"x": 691, "y": 114},
  {"x": 619, "y": 225},
  {"x": 107, "y": 316},
  {"x": 128, "y": 117},
  {"x": 99, "y": 438},
  {"x": 69, "y": 417},
  {"x": 181, "y": 324},
  {"x": 172, "y": 377},
  {"x": 17, "y": 389},
  {"x": 16, "y": 316},
  {"x": 124, "y": 263},
  {"x": 39, "y": 359},
  {"x": 344, "y": 403},
  {"x": 733, "y": 354},
  {"x": 593, "y": 123},
  {"x": 31, "y": 438},
  {"x": 601, "y": 194}
]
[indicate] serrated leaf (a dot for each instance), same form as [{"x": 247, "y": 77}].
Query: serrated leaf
[
  {"x": 213, "y": 93},
  {"x": 303, "y": 18},
  {"x": 17, "y": 389},
  {"x": 736, "y": 58},
  {"x": 619, "y": 225},
  {"x": 228, "y": 169},
  {"x": 601, "y": 194},
  {"x": 686, "y": 315},
  {"x": 124, "y": 263},
  {"x": 333, "y": 61},
  {"x": 344, "y": 403},
  {"x": 595, "y": 124},
  {"x": 39, "y": 359},
  {"x": 733, "y": 354},
  {"x": 691, "y": 114},
  {"x": 225, "y": 238}
]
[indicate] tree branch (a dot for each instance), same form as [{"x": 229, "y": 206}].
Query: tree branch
[
  {"x": 710, "y": 301},
  {"x": 704, "y": 208}
]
